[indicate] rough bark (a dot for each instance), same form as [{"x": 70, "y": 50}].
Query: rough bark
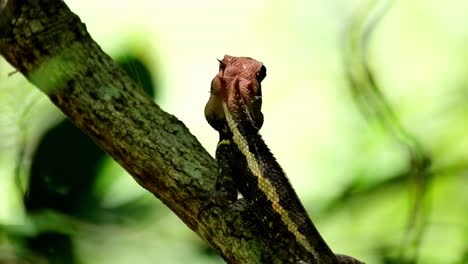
[{"x": 51, "y": 47}]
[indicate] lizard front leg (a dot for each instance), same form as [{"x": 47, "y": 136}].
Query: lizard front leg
[{"x": 225, "y": 188}]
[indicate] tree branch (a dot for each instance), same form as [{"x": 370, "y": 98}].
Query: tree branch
[{"x": 50, "y": 46}]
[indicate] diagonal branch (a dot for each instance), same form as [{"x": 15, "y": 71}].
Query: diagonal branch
[{"x": 50, "y": 46}]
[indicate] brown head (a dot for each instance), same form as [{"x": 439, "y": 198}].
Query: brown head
[{"x": 237, "y": 84}]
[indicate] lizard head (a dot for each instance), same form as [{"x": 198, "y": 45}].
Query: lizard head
[{"x": 238, "y": 85}]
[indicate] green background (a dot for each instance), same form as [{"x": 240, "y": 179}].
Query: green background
[{"x": 348, "y": 169}]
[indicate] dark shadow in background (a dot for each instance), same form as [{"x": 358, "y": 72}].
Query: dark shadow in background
[{"x": 64, "y": 173}]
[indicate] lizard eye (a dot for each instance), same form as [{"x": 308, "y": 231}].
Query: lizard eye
[{"x": 261, "y": 74}]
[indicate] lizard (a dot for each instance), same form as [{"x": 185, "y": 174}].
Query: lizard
[{"x": 247, "y": 165}]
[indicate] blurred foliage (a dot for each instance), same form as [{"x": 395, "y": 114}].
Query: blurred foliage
[
  {"x": 371, "y": 101},
  {"x": 372, "y": 95}
]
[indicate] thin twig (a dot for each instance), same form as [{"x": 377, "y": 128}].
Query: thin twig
[{"x": 375, "y": 107}]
